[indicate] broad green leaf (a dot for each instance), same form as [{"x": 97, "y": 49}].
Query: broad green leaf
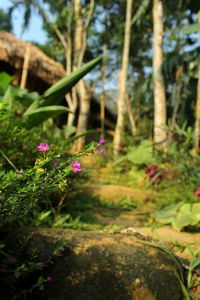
[
  {"x": 196, "y": 209},
  {"x": 187, "y": 216},
  {"x": 141, "y": 154},
  {"x": 5, "y": 80},
  {"x": 41, "y": 114},
  {"x": 64, "y": 85},
  {"x": 138, "y": 155},
  {"x": 8, "y": 97},
  {"x": 191, "y": 28},
  {"x": 56, "y": 93},
  {"x": 168, "y": 214}
]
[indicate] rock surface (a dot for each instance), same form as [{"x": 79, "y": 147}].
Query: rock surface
[{"x": 105, "y": 266}]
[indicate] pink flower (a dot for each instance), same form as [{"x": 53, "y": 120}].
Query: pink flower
[
  {"x": 49, "y": 279},
  {"x": 100, "y": 150},
  {"x": 76, "y": 166},
  {"x": 43, "y": 147},
  {"x": 102, "y": 142},
  {"x": 197, "y": 193}
]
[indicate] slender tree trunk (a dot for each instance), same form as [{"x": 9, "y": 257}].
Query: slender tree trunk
[
  {"x": 160, "y": 134},
  {"x": 197, "y": 120},
  {"x": 103, "y": 95},
  {"x": 119, "y": 129},
  {"x": 83, "y": 115},
  {"x": 71, "y": 98},
  {"x": 25, "y": 67},
  {"x": 130, "y": 115},
  {"x": 80, "y": 43},
  {"x": 176, "y": 100},
  {"x": 177, "y": 94}
]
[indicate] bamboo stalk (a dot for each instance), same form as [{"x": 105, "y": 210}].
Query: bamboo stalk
[{"x": 25, "y": 67}]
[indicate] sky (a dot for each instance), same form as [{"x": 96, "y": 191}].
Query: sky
[{"x": 34, "y": 33}]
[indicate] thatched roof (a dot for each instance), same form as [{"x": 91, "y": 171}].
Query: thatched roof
[
  {"x": 12, "y": 52},
  {"x": 42, "y": 71}
]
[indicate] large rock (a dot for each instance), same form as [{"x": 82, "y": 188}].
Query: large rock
[{"x": 105, "y": 266}]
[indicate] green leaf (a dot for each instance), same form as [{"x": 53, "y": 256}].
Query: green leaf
[
  {"x": 141, "y": 154},
  {"x": 138, "y": 155},
  {"x": 168, "y": 214},
  {"x": 140, "y": 12},
  {"x": 8, "y": 97},
  {"x": 194, "y": 263},
  {"x": 191, "y": 28},
  {"x": 187, "y": 215},
  {"x": 64, "y": 85},
  {"x": 41, "y": 114},
  {"x": 5, "y": 80},
  {"x": 56, "y": 93},
  {"x": 196, "y": 210},
  {"x": 43, "y": 215}
]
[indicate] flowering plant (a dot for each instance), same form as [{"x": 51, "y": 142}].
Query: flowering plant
[{"x": 22, "y": 189}]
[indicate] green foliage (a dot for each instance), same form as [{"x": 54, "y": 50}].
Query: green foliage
[
  {"x": 44, "y": 107},
  {"x": 5, "y": 21},
  {"x": 140, "y": 12},
  {"x": 41, "y": 114},
  {"x": 139, "y": 154},
  {"x": 5, "y": 80},
  {"x": 16, "y": 143},
  {"x": 44, "y": 174},
  {"x": 20, "y": 193},
  {"x": 195, "y": 262},
  {"x": 22, "y": 271},
  {"x": 179, "y": 215},
  {"x": 191, "y": 28}
]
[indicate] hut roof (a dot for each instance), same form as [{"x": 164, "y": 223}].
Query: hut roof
[
  {"x": 12, "y": 51},
  {"x": 43, "y": 71}
]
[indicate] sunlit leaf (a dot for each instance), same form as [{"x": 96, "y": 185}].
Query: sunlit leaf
[
  {"x": 191, "y": 28},
  {"x": 41, "y": 114}
]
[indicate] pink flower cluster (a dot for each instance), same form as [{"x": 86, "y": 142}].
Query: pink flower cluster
[
  {"x": 43, "y": 147},
  {"x": 101, "y": 143},
  {"x": 76, "y": 167}
]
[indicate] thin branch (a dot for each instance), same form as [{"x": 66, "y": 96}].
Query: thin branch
[
  {"x": 89, "y": 16},
  {"x": 54, "y": 27},
  {"x": 85, "y": 29}
]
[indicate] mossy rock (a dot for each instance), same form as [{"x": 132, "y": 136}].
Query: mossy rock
[{"x": 104, "y": 266}]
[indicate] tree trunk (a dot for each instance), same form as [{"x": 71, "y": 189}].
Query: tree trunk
[
  {"x": 177, "y": 94},
  {"x": 160, "y": 134},
  {"x": 25, "y": 67},
  {"x": 73, "y": 104},
  {"x": 103, "y": 95},
  {"x": 85, "y": 96},
  {"x": 130, "y": 115},
  {"x": 197, "y": 120},
  {"x": 80, "y": 42},
  {"x": 119, "y": 129}
]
